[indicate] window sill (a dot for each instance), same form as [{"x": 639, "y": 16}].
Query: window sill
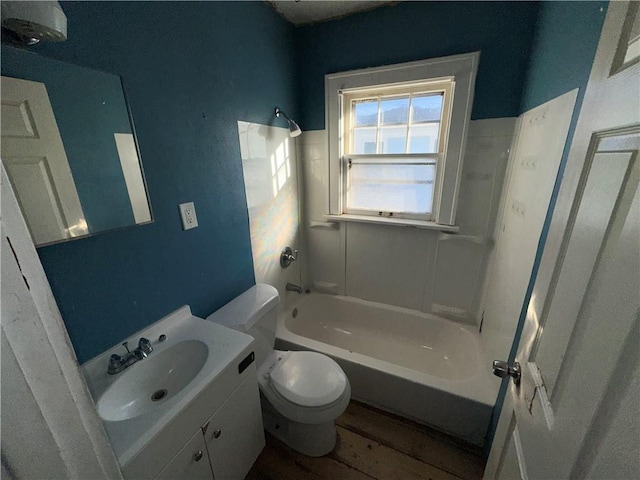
[{"x": 400, "y": 222}]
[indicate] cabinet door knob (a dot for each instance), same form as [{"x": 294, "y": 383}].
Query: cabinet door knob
[
  {"x": 198, "y": 456},
  {"x": 217, "y": 433}
]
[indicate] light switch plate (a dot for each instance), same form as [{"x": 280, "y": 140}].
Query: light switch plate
[{"x": 188, "y": 215}]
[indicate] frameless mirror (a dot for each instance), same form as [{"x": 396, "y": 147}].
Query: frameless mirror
[{"x": 69, "y": 148}]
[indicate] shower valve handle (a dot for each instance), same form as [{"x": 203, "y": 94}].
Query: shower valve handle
[{"x": 287, "y": 256}]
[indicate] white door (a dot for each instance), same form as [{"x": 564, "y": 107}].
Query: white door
[
  {"x": 36, "y": 162},
  {"x": 576, "y": 412}
]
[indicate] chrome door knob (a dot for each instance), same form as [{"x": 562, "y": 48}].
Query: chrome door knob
[{"x": 502, "y": 369}]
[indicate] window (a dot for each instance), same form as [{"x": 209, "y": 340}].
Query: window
[{"x": 396, "y": 138}]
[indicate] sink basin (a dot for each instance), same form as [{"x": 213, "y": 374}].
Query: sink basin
[
  {"x": 170, "y": 384},
  {"x": 151, "y": 382}
]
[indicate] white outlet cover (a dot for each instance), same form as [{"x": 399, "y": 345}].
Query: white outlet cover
[{"x": 188, "y": 215}]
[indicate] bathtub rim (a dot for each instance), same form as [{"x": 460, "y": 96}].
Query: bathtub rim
[{"x": 481, "y": 388}]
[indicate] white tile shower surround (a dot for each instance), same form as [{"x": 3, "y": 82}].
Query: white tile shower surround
[
  {"x": 270, "y": 170},
  {"x": 540, "y": 138},
  {"x": 414, "y": 364},
  {"x": 442, "y": 274},
  {"x": 408, "y": 267}
]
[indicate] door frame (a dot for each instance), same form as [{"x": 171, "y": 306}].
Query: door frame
[{"x": 59, "y": 403}]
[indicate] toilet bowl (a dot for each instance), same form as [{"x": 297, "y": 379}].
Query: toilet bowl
[{"x": 302, "y": 393}]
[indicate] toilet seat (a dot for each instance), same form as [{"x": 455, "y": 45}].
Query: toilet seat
[
  {"x": 308, "y": 379},
  {"x": 306, "y": 387}
]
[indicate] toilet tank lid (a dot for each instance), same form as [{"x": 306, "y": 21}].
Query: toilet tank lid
[{"x": 246, "y": 309}]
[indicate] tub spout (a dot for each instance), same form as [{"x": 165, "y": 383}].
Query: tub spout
[{"x": 293, "y": 288}]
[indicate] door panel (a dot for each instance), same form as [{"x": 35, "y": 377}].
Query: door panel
[
  {"x": 18, "y": 120},
  {"x": 594, "y": 212},
  {"x": 36, "y": 163},
  {"x": 512, "y": 466},
  {"x": 37, "y": 196}
]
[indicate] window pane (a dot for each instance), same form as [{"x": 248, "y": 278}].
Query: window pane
[
  {"x": 394, "y": 111},
  {"x": 393, "y": 139},
  {"x": 633, "y": 43},
  {"x": 364, "y": 140},
  {"x": 426, "y": 108},
  {"x": 424, "y": 138},
  {"x": 391, "y": 188},
  {"x": 365, "y": 113}
]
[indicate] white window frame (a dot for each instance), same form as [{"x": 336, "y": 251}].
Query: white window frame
[{"x": 461, "y": 70}]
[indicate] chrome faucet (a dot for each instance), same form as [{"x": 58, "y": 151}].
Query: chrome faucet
[
  {"x": 118, "y": 363},
  {"x": 293, "y": 288}
]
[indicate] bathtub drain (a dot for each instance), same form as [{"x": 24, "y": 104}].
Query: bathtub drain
[{"x": 159, "y": 395}]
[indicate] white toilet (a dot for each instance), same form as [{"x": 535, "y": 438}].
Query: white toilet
[{"x": 302, "y": 393}]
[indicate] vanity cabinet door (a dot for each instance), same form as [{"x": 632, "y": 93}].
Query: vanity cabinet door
[
  {"x": 191, "y": 463},
  {"x": 234, "y": 434}
]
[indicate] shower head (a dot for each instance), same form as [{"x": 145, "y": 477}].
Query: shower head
[{"x": 294, "y": 128}]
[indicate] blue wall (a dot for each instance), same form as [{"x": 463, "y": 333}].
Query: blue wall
[
  {"x": 190, "y": 71},
  {"x": 409, "y": 31},
  {"x": 567, "y": 36},
  {"x": 89, "y": 108}
]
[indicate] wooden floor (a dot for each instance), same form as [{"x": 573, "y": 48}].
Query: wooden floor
[{"x": 374, "y": 445}]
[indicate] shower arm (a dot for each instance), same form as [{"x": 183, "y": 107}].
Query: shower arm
[{"x": 294, "y": 128}]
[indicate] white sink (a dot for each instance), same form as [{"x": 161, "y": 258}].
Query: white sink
[
  {"x": 133, "y": 404},
  {"x": 153, "y": 381}
]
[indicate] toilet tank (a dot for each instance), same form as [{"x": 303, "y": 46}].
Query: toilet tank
[{"x": 254, "y": 312}]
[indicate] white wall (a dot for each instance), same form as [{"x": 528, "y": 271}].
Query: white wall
[
  {"x": 421, "y": 269},
  {"x": 269, "y": 166}
]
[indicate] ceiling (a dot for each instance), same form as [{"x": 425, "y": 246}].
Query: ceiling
[{"x": 300, "y": 12}]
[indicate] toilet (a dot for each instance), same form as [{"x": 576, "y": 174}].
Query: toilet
[{"x": 302, "y": 393}]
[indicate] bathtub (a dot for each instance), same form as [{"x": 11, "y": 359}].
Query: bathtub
[{"x": 417, "y": 365}]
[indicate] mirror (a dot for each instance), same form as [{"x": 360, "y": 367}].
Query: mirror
[{"x": 69, "y": 148}]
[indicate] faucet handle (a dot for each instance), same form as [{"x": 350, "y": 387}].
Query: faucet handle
[
  {"x": 115, "y": 363},
  {"x": 144, "y": 344},
  {"x": 287, "y": 256}
]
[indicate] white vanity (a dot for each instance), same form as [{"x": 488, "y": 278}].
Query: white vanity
[{"x": 190, "y": 409}]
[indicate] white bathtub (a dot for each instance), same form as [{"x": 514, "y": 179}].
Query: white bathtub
[{"x": 417, "y": 365}]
